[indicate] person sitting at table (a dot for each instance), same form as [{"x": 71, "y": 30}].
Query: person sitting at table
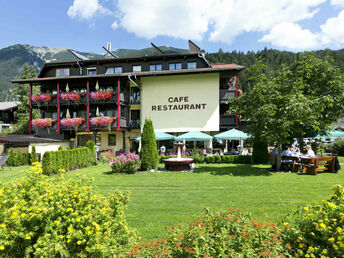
[
  {"x": 286, "y": 152},
  {"x": 310, "y": 152},
  {"x": 295, "y": 150}
]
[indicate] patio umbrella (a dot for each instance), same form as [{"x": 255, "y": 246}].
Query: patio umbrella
[
  {"x": 232, "y": 134},
  {"x": 331, "y": 134},
  {"x": 194, "y": 136},
  {"x": 160, "y": 136}
]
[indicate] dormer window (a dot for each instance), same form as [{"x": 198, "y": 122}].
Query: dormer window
[
  {"x": 136, "y": 68},
  {"x": 175, "y": 66},
  {"x": 112, "y": 70},
  {"x": 62, "y": 72},
  {"x": 91, "y": 71},
  {"x": 155, "y": 67},
  {"x": 192, "y": 65}
]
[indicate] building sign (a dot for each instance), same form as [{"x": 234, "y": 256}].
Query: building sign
[
  {"x": 178, "y": 103},
  {"x": 181, "y": 103}
]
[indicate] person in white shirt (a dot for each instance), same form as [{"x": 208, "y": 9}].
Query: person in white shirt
[{"x": 310, "y": 152}]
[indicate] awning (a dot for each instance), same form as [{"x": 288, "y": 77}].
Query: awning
[
  {"x": 194, "y": 136},
  {"x": 160, "y": 136},
  {"x": 331, "y": 134},
  {"x": 232, "y": 134}
]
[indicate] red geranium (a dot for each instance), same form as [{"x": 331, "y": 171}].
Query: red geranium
[
  {"x": 43, "y": 122},
  {"x": 70, "y": 96},
  {"x": 102, "y": 121},
  {"x": 102, "y": 95}
]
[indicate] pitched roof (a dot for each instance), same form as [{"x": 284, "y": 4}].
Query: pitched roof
[
  {"x": 8, "y": 105},
  {"x": 25, "y": 138}
]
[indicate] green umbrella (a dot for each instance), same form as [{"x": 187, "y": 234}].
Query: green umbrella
[
  {"x": 331, "y": 134},
  {"x": 160, "y": 136},
  {"x": 232, "y": 134},
  {"x": 194, "y": 136}
]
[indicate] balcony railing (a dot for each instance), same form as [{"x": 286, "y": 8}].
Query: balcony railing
[
  {"x": 226, "y": 94},
  {"x": 134, "y": 124}
]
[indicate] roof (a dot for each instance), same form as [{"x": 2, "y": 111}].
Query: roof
[
  {"x": 8, "y": 105},
  {"x": 25, "y": 138},
  {"x": 212, "y": 69}
]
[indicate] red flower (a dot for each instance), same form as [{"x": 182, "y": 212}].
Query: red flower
[{"x": 102, "y": 95}]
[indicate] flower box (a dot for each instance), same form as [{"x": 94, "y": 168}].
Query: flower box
[
  {"x": 42, "y": 98},
  {"x": 71, "y": 97},
  {"x": 102, "y": 121},
  {"x": 100, "y": 96},
  {"x": 72, "y": 122},
  {"x": 42, "y": 122}
]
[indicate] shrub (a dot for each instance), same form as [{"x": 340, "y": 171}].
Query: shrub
[
  {"x": 33, "y": 155},
  {"x": 224, "y": 234},
  {"x": 26, "y": 158},
  {"x": 218, "y": 159},
  {"x": 199, "y": 159},
  {"x": 149, "y": 152},
  {"x": 105, "y": 156},
  {"x": 209, "y": 159},
  {"x": 60, "y": 148},
  {"x": 53, "y": 161},
  {"x": 92, "y": 155},
  {"x": 51, "y": 217},
  {"x": 260, "y": 151},
  {"x": 317, "y": 230},
  {"x": 11, "y": 158},
  {"x": 338, "y": 146},
  {"x": 127, "y": 163},
  {"x": 18, "y": 159}
]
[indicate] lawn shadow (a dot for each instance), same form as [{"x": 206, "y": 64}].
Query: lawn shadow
[{"x": 236, "y": 170}]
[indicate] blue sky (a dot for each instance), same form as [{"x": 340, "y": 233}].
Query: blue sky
[{"x": 86, "y": 25}]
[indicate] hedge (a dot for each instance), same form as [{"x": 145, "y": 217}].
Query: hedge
[{"x": 55, "y": 161}]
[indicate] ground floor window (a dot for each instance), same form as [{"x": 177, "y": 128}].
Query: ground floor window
[
  {"x": 112, "y": 140},
  {"x": 84, "y": 138}
]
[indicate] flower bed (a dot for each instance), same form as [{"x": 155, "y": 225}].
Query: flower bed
[
  {"x": 125, "y": 163},
  {"x": 102, "y": 121},
  {"x": 70, "y": 96},
  {"x": 42, "y": 98},
  {"x": 102, "y": 95},
  {"x": 72, "y": 122},
  {"x": 43, "y": 122}
]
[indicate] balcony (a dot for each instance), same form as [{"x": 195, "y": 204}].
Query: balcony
[
  {"x": 227, "y": 121},
  {"x": 112, "y": 127},
  {"x": 134, "y": 124},
  {"x": 226, "y": 94}
]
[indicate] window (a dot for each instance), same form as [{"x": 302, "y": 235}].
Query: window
[
  {"x": 84, "y": 138},
  {"x": 91, "y": 71},
  {"x": 175, "y": 66},
  {"x": 112, "y": 70},
  {"x": 192, "y": 65},
  {"x": 62, "y": 72},
  {"x": 137, "y": 68},
  {"x": 155, "y": 67},
  {"x": 112, "y": 140}
]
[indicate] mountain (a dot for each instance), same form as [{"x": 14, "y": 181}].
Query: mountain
[{"x": 12, "y": 59}]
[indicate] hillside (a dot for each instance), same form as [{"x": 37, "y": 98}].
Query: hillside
[{"x": 12, "y": 58}]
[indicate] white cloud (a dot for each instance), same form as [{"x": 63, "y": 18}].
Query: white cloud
[
  {"x": 86, "y": 9},
  {"x": 333, "y": 30},
  {"x": 114, "y": 25},
  {"x": 339, "y": 3},
  {"x": 292, "y": 36}
]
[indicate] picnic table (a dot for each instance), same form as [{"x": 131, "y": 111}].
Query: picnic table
[{"x": 314, "y": 165}]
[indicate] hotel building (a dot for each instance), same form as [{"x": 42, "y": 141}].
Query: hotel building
[{"x": 180, "y": 92}]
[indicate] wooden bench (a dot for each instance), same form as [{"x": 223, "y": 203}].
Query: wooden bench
[
  {"x": 290, "y": 163},
  {"x": 314, "y": 165}
]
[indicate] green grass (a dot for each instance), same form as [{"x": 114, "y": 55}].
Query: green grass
[{"x": 168, "y": 198}]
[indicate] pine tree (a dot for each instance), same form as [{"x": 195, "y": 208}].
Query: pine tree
[
  {"x": 33, "y": 155},
  {"x": 11, "y": 158},
  {"x": 26, "y": 158},
  {"x": 149, "y": 151},
  {"x": 18, "y": 159}
]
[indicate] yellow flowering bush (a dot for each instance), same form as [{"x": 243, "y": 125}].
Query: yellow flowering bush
[
  {"x": 317, "y": 230},
  {"x": 53, "y": 217}
]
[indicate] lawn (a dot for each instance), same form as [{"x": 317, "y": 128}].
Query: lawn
[{"x": 168, "y": 198}]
